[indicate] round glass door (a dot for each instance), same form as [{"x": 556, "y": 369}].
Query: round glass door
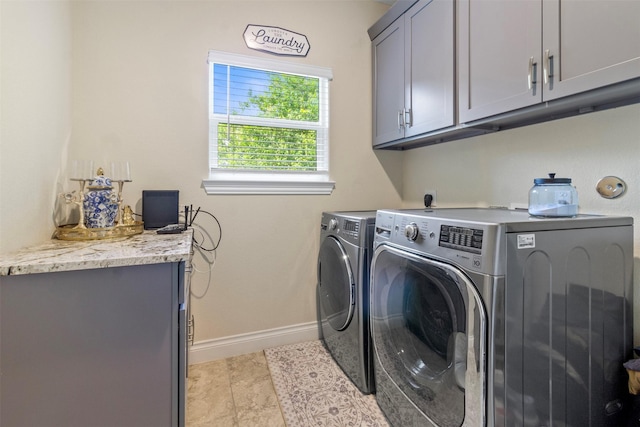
[
  {"x": 420, "y": 317},
  {"x": 336, "y": 284}
]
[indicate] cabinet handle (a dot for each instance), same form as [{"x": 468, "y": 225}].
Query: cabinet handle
[
  {"x": 400, "y": 119},
  {"x": 531, "y": 78},
  {"x": 548, "y": 66},
  {"x": 408, "y": 117}
]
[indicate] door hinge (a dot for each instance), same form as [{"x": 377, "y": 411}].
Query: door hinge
[{"x": 191, "y": 329}]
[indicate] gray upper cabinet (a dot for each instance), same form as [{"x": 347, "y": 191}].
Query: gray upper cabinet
[
  {"x": 515, "y": 54},
  {"x": 413, "y": 73},
  {"x": 499, "y": 47},
  {"x": 589, "y": 44},
  {"x": 429, "y": 67},
  {"x": 388, "y": 88}
]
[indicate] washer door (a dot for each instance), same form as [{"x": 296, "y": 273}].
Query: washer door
[
  {"x": 428, "y": 327},
  {"x": 336, "y": 284}
]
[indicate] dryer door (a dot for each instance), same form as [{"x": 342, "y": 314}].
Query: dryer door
[
  {"x": 428, "y": 326},
  {"x": 336, "y": 284}
]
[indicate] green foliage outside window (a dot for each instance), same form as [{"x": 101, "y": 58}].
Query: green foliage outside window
[
  {"x": 266, "y": 148},
  {"x": 288, "y": 97}
]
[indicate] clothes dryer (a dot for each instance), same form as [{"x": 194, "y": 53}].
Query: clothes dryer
[
  {"x": 490, "y": 317},
  {"x": 344, "y": 260}
]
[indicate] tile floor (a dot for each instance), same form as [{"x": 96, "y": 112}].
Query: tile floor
[{"x": 233, "y": 392}]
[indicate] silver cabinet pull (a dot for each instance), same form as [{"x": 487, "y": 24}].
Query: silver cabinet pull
[
  {"x": 547, "y": 67},
  {"x": 408, "y": 117},
  {"x": 531, "y": 78},
  {"x": 400, "y": 119}
]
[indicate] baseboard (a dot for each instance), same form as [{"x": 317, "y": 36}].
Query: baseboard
[{"x": 220, "y": 348}]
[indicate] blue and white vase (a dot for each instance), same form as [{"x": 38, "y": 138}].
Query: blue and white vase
[{"x": 100, "y": 203}]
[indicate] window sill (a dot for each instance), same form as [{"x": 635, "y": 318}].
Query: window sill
[{"x": 267, "y": 183}]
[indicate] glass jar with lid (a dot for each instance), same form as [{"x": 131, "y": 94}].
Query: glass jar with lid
[{"x": 553, "y": 197}]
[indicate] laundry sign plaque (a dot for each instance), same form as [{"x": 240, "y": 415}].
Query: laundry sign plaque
[{"x": 276, "y": 40}]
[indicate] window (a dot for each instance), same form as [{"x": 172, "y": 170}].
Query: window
[{"x": 268, "y": 126}]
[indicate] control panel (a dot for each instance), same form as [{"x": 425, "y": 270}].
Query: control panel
[
  {"x": 452, "y": 236},
  {"x": 461, "y": 238},
  {"x": 351, "y": 227},
  {"x": 355, "y": 228}
]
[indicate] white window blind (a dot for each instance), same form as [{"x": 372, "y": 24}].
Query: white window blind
[{"x": 268, "y": 121}]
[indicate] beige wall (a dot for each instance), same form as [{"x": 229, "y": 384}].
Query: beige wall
[
  {"x": 498, "y": 169},
  {"x": 35, "y": 124},
  {"x": 140, "y": 93}
]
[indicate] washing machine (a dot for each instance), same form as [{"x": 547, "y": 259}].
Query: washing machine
[
  {"x": 490, "y": 317},
  {"x": 344, "y": 260}
]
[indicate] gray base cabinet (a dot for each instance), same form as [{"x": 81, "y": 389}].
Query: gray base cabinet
[{"x": 97, "y": 347}]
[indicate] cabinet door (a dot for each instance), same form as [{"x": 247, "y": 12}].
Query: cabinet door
[
  {"x": 589, "y": 44},
  {"x": 499, "y": 56},
  {"x": 388, "y": 84},
  {"x": 90, "y": 347},
  {"x": 429, "y": 72}
]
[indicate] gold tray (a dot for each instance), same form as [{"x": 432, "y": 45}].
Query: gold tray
[{"x": 69, "y": 232}]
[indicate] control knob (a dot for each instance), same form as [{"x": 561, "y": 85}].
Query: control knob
[
  {"x": 333, "y": 224},
  {"x": 411, "y": 231}
]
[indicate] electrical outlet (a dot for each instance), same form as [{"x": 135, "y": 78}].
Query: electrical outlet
[{"x": 433, "y": 194}]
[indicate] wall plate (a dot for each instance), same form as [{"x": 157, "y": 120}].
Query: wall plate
[{"x": 611, "y": 187}]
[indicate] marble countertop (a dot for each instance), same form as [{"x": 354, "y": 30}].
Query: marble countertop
[{"x": 60, "y": 255}]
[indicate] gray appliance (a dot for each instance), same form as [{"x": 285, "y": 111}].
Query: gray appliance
[
  {"x": 492, "y": 317},
  {"x": 344, "y": 258}
]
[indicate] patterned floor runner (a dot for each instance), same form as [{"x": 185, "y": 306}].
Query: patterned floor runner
[{"x": 314, "y": 391}]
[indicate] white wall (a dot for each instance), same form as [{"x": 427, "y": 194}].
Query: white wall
[
  {"x": 35, "y": 90},
  {"x": 498, "y": 169},
  {"x": 140, "y": 94}
]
